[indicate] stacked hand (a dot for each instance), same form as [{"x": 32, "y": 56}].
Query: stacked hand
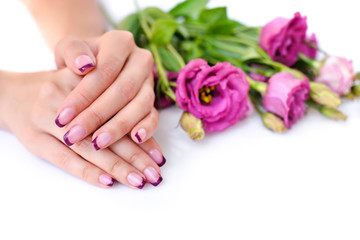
[{"x": 101, "y": 98}]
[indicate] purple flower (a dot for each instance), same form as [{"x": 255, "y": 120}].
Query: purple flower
[
  {"x": 217, "y": 95},
  {"x": 285, "y": 96},
  {"x": 283, "y": 39},
  {"x": 337, "y": 73},
  {"x": 162, "y": 101},
  {"x": 306, "y": 49}
]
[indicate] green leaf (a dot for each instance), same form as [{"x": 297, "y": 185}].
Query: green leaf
[
  {"x": 131, "y": 23},
  {"x": 189, "y": 8},
  {"x": 162, "y": 31},
  {"x": 224, "y": 27},
  {"x": 169, "y": 61},
  {"x": 210, "y": 16},
  {"x": 191, "y": 49},
  {"x": 156, "y": 13}
]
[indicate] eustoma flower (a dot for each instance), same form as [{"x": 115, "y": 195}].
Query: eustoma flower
[
  {"x": 283, "y": 39},
  {"x": 285, "y": 96},
  {"x": 217, "y": 95},
  {"x": 337, "y": 73}
]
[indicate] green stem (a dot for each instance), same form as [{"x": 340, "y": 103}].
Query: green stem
[
  {"x": 143, "y": 22},
  {"x": 255, "y": 103},
  {"x": 163, "y": 80},
  {"x": 259, "y": 87},
  {"x": 176, "y": 54},
  {"x": 247, "y": 43}
]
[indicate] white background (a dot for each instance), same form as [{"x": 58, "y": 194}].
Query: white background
[{"x": 244, "y": 183}]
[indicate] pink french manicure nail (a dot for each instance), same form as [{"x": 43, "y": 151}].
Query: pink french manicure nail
[
  {"x": 157, "y": 157},
  {"x": 136, "y": 180},
  {"x": 65, "y": 117},
  {"x": 83, "y": 62},
  {"x": 140, "y": 135},
  {"x": 101, "y": 140},
  {"x": 74, "y": 135},
  {"x": 153, "y": 176},
  {"x": 106, "y": 180}
]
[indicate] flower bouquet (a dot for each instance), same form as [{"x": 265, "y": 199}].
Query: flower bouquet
[{"x": 218, "y": 70}]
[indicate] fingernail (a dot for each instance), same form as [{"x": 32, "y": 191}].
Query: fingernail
[
  {"x": 83, "y": 63},
  {"x": 136, "y": 180},
  {"x": 153, "y": 176},
  {"x": 157, "y": 157},
  {"x": 101, "y": 141},
  {"x": 141, "y": 135},
  {"x": 74, "y": 135},
  {"x": 65, "y": 117},
  {"x": 106, "y": 180}
]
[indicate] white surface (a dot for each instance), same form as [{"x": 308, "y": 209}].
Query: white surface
[{"x": 245, "y": 183}]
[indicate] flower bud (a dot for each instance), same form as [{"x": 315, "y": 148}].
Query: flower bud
[
  {"x": 192, "y": 125},
  {"x": 356, "y": 90},
  {"x": 323, "y": 95},
  {"x": 332, "y": 113},
  {"x": 273, "y": 122}
]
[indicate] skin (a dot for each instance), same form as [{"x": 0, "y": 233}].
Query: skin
[
  {"x": 36, "y": 97},
  {"x": 113, "y": 96}
]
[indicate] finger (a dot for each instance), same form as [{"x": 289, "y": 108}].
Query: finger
[
  {"x": 72, "y": 163},
  {"x": 146, "y": 127},
  {"x": 112, "y": 163},
  {"x": 152, "y": 148},
  {"x": 75, "y": 54},
  {"x": 113, "y": 100},
  {"x": 114, "y": 50},
  {"x": 125, "y": 120},
  {"x": 106, "y": 160},
  {"x": 135, "y": 156}
]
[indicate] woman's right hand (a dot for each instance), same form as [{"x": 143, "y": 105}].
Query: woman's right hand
[{"x": 31, "y": 101}]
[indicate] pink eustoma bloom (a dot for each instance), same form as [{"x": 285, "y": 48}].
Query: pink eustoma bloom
[
  {"x": 218, "y": 95},
  {"x": 286, "y": 96},
  {"x": 337, "y": 73},
  {"x": 283, "y": 39}
]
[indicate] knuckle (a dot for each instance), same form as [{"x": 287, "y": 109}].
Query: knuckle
[
  {"x": 121, "y": 127},
  {"x": 95, "y": 117},
  {"x": 48, "y": 90},
  {"x": 86, "y": 172},
  {"x": 63, "y": 160},
  {"x": 154, "y": 117},
  {"x": 147, "y": 57},
  {"x": 121, "y": 37},
  {"x": 83, "y": 97},
  {"x": 128, "y": 38},
  {"x": 134, "y": 157},
  {"x": 83, "y": 147},
  {"x": 148, "y": 98},
  {"x": 109, "y": 70},
  {"x": 127, "y": 89},
  {"x": 116, "y": 168}
]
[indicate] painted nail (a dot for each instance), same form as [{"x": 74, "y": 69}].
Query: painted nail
[
  {"x": 153, "y": 176},
  {"x": 106, "y": 180},
  {"x": 101, "y": 141},
  {"x": 74, "y": 135},
  {"x": 141, "y": 135},
  {"x": 65, "y": 117},
  {"x": 136, "y": 180},
  {"x": 157, "y": 157},
  {"x": 83, "y": 63}
]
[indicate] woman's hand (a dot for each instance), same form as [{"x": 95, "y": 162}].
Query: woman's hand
[
  {"x": 31, "y": 101},
  {"x": 116, "y": 95}
]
